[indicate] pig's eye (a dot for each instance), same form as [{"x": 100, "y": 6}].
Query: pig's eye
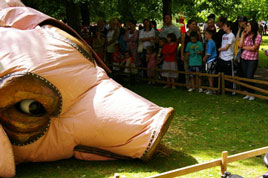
[{"x": 31, "y": 107}]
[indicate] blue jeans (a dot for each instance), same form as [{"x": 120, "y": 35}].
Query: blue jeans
[{"x": 249, "y": 68}]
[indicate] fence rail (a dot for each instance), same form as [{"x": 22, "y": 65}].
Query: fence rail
[
  {"x": 218, "y": 162},
  {"x": 221, "y": 80},
  {"x": 222, "y": 162}
]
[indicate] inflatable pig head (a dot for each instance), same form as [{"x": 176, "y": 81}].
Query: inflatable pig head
[{"x": 56, "y": 101}]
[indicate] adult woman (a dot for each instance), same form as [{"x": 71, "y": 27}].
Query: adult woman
[
  {"x": 250, "y": 43},
  {"x": 111, "y": 39},
  {"x": 131, "y": 38},
  {"x": 146, "y": 37},
  {"x": 192, "y": 26}
]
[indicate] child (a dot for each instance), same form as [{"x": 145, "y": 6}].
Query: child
[
  {"x": 210, "y": 58},
  {"x": 225, "y": 62},
  {"x": 160, "y": 57},
  {"x": 151, "y": 64},
  {"x": 194, "y": 50},
  {"x": 170, "y": 62},
  {"x": 116, "y": 55},
  {"x": 130, "y": 67}
]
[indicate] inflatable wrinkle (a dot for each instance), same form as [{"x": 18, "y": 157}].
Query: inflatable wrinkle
[{"x": 21, "y": 17}]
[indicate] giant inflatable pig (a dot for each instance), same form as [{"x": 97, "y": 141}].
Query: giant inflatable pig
[{"x": 56, "y": 100}]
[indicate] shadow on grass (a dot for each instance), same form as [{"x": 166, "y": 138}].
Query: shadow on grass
[{"x": 164, "y": 159}]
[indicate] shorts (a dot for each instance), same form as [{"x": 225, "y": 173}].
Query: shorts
[
  {"x": 210, "y": 68},
  {"x": 194, "y": 69}
]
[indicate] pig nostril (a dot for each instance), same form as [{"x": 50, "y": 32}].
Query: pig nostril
[{"x": 30, "y": 107}]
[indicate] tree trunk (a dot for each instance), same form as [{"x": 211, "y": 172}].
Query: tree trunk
[
  {"x": 72, "y": 15},
  {"x": 167, "y": 7},
  {"x": 85, "y": 14},
  {"x": 123, "y": 7}
]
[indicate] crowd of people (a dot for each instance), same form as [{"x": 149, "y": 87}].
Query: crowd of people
[{"x": 221, "y": 46}]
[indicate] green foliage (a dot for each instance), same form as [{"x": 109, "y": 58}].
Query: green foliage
[{"x": 152, "y": 9}]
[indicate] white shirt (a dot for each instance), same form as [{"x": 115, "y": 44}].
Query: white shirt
[
  {"x": 147, "y": 34},
  {"x": 227, "y": 39}
]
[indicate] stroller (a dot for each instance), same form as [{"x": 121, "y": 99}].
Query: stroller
[{"x": 229, "y": 175}]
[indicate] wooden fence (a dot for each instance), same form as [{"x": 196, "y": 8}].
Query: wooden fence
[
  {"x": 218, "y": 162},
  {"x": 223, "y": 162},
  {"x": 241, "y": 81},
  {"x": 220, "y": 86},
  {"x": 197, "y": 75}
]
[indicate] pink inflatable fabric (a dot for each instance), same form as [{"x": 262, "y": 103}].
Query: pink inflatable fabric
[{"x": 96, "y": 118}]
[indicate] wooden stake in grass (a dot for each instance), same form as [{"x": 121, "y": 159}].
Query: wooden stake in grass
[{"x": 224, "y": 156}]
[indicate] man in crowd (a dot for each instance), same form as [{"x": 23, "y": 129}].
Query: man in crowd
[{"x": 169, "y": 28}]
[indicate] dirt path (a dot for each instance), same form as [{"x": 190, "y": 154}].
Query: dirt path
[{"x": 262, "y": 74}]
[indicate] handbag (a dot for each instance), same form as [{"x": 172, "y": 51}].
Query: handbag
[
  {"x": 140, "y": 47},
  {"x": 238, "y": 55}
]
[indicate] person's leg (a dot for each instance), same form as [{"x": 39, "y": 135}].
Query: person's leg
[
  {"x": 143, "y": 63},
  {"x": 168, "y": 83},
  {"x": 186, "y": 68},
  {"x": 173, "y": 83},
  {"x": 251, "y": 69},
  {"x": 200, "y": 83},
  {"x": 244, "y": 65},
  {"x": 192, "y": 82},
  {"x": 210, "y": 80},
  {"x": 228, "y": 71}
]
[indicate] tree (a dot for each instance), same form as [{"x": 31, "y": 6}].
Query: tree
[
  {"x": 167, "y": 7},
  {"x": 73, "y": 11}
]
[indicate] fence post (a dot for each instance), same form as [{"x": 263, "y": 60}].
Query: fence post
[
  {"x": 222, "y": 83},
  {"x": 224, "y": 156}
]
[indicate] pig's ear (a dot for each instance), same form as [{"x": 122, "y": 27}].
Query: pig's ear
[{"x": 7, "y": 162}]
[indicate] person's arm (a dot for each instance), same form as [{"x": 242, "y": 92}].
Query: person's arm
[
  {"x": 225, "y": 48},
  {"x": 208, "y": 52},
  {"x": 124, "y": 60},
  {"x": 255, "y": 46},
  {"x": 201, "y": 49},
  {"x": 242, "y": 39},
  {"x": 199, "y": 35},
  {"x": 251, "y": 48},
  {"x": 115, "y": 37},
  {"x": 150, "y": 38},
  {"x": 205, "y": 58},
  {"x": 178, "y": 34},
  {"x": 231, "y": 40}
]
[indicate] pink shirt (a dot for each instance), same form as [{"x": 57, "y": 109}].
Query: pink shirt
[{"x": 251, "y": 55}]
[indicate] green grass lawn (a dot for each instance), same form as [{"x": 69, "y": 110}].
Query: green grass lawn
[
  {"x": 203, "y": 127},
  {"x": 263, "y": 58}
]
